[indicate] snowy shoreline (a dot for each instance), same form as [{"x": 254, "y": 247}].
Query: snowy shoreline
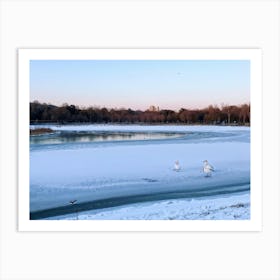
[
  {"x": 140, "y": 127},
  {"x": 235, "y": 207}
]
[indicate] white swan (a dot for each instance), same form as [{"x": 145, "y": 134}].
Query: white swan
[
  {"x": 207, "y": 168},
  {"x": 177, "y": 166}
]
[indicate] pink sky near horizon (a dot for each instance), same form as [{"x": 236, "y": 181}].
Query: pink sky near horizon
[{"x": 139, "y": 84}]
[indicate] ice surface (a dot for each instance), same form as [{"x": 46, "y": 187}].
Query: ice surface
[{"x": 60, "y": 173}]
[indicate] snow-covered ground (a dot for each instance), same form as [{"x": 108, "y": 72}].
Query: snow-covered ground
[
  {"x": 143, "y": 170},
  {"x": 132, "y": 127},
  {"x": 235, "y": 207}
]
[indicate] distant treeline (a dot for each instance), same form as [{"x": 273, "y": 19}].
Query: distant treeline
[{"x": 227, "y": 114}]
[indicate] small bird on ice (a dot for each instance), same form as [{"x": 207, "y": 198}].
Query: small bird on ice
[
  {"x": 177, "y": 166},
  {"x": 72, "y": 201},
  {"x": 207, "y": 168}
]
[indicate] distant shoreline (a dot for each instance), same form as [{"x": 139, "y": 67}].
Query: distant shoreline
[
  {"x": 140, "y": 123},
  {"x": 40, "y": 131}
]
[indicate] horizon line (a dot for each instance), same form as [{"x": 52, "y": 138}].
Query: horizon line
[{"x": 157, "y": 108}]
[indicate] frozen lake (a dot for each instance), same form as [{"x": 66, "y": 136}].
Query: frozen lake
[
  {"x": 105, "y": 166},
  {"x": 62, "y": 137}
]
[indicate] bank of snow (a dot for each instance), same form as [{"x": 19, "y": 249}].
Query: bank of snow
[
  {"x": 141, "y": 128},
  {"x": 236, "y": 207}
]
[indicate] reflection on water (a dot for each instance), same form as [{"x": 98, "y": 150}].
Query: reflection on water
[{"x": 82, "y": 137}]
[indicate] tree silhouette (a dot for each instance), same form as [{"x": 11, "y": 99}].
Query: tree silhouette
[{"x": 227, "y": 114}]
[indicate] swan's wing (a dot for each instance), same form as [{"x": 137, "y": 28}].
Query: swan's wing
[{"x": 211, "y": 167}]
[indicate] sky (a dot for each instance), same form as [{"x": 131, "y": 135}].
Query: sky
[{"x": 138, "y": 84}]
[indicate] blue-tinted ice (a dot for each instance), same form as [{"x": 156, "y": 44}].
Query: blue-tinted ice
[{"x": 118, "y": 165}]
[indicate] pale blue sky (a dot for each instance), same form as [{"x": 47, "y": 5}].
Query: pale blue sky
[{"x": 137, "y": 84}]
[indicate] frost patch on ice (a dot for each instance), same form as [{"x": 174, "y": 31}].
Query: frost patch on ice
[{"x": 150, "y": 180}]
